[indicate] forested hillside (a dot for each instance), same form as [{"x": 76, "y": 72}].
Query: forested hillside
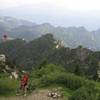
[{"x": 27, "y": 55}]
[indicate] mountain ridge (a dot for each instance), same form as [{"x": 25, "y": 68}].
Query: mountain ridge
[
  {"x": 71, "y": 36},
  {"x": 28, "y": 55}
]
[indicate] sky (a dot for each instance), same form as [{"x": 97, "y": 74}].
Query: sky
[
  {"x": 73, "y": 12},
  {"x": 75, "y": 5}
]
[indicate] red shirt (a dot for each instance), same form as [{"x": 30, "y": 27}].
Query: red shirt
[{"x": 25, "y": 79}]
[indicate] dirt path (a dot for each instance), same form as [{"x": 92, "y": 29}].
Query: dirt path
[{"x": 40, "y": 95}]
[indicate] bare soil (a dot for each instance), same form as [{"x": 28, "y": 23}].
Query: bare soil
[{"x": 39, "y": 95}]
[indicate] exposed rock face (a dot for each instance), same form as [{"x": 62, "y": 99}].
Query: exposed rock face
[{"x": 2, "y": 58}]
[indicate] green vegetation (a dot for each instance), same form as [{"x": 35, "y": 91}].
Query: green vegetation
[
  {"x": 51, "y": 76},
  {"x": 88, "y": 92},
  {"x": 74, "y": 70},
  {"x": 74, "y": 87},
  {"x": 27, "y": 55},
  {"x": 8, "y": 87}
]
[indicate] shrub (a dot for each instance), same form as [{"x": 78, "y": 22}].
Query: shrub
[
  {"x": 87, "y": 92},
  {"x": 53, "y": 74}
]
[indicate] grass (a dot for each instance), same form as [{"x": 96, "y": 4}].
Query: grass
[{"x": 8, "y": 87}]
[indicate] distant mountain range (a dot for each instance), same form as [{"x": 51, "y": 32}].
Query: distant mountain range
[{"x": 71, "y": 36}]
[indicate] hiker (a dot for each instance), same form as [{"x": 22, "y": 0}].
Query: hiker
[{"x": 24, "y": 82}]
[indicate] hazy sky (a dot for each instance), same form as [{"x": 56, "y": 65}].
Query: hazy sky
[
  {"x": 74, "y": 12},
  {"x": 75, "y": 5}
]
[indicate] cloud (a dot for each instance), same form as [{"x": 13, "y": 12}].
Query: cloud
[
  {"x": 74, "y": 5},
  {"x": 4, "y": 4},
  {"x": 59, "y": 12}
]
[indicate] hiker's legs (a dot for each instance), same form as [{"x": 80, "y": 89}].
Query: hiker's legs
[
  {"x": 25, "y": 90},
  {"x": 22, "y": 90}
]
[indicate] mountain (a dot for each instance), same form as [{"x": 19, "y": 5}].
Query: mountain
[
  {"x": 75, "y": 36},
  {"x": 71, "y": 36},
  {"x": 13, "y": 22},
  {"x": 27, "y": 55},
  {"x": 96, "y": 37},
  {"x": 54, "y": 14}
]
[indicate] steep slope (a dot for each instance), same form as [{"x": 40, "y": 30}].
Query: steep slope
[{"x": 28, "y": 55}]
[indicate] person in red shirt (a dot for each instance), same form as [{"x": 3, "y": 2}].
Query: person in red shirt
[{"x": 24, "y": 82}]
